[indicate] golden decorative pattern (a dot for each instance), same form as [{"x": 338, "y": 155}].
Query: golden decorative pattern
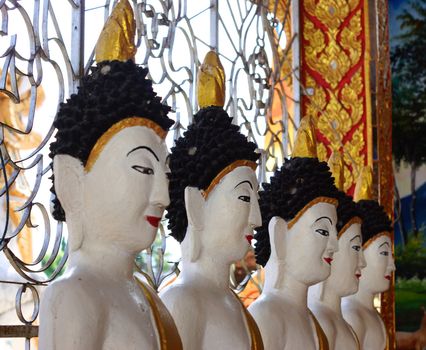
[
  {"x": 336, "y": 165},
  {"x": 211, "y": 82},
  {"x": 226, "y": 171},
  {"x": 309, "y": 205},
  {"x": 122, "y": 124},
  {"x": 116, "y": 41},
  {"x": 335, "y": 73}
]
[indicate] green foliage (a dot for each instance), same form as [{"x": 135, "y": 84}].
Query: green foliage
[
  {"x": 410, "y": 296},
  {"x": 411, "y": 259},
  {"x": 409, "y": 87},
  {"x": 52, "y": 268}
]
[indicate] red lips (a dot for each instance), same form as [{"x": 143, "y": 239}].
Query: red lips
[
  {"x": 249, "y": 238},
  {"x": 153, "y": 220},
  {"x": 388, "y": 277},
  {"x": 328, "y": 260},
  {"x": 358, "y": 275}
]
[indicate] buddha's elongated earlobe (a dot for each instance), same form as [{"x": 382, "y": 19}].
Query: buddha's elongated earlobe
[
  {"x": 277, "y": 228},
  {"x": 69, "y": 173},
  {"x": 194, "y": 204}
]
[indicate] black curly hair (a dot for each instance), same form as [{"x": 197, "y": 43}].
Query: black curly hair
[
  {"x": 347, "y": 209},
  {"x": 295, "y": 184},
  {"x": 374, "y": 219},
  {"x": 113, "y": 91},
  {"x": 210, "y": 144}
]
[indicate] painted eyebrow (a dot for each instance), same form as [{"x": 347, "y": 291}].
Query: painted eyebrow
[
  {"x": 144, "y": 147},
  {"x": 384, "y": 244},
  {"x": 244, "y": 182},
  {"x": 324, "y": 217},
  {"x": 357, "y": 236}
]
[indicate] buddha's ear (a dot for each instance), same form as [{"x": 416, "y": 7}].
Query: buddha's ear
[
  {"x": 194, "y": 205},
  {"x": 69, "y": 173},
  {"x": 277, "y": 228}
]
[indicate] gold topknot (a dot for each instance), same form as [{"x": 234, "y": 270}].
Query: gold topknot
[
  {"x": 211, "y": 82},
  {"x": 305, "y": 144},
  {"x": 116, "y": 41}
]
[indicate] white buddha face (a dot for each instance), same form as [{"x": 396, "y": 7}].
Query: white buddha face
[
  {"x": 377, "y": 275},
  {"x": 231, "y": 214},
  {"x": 348, "y": 262},
  {"x": 126, "y": 190},
  {"x": 310, "y": 243}
]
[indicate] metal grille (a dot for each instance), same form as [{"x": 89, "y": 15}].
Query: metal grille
[{"x": 46, "y": 46}]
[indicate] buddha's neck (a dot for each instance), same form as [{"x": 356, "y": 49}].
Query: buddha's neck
[
  {"x": 284, "y": 283},
  {"x": 107, "y": 260},
  {"x": 330, "y": 298},
  {"x": 207, "y": 268},
  {"x": 365, "y": 298}
]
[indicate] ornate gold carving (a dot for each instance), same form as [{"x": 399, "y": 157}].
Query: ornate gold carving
[
  {"x": 226, "y": 171},
  {"x": 122, "y": 124},
  {"x": 349, "y": 38},
  {"x": 317, "y": 98},
  {"x": 337, "y": 167},
  {"x": 322, "y": 152},
  {"x": 330, "y": 12},
  {"x": 211, "y": 82},
  {"x": 335, "y": 79},
  {"x": 116, "y": 41}
]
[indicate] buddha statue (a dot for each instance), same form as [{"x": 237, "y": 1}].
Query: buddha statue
[
  {"x": 295, "y": 244},
  {"x": 212, "y": 213},
  {"x": 111, "y": 187},
  {"x": 358, "y": 309},
  {"x": 324, "y": 299}
]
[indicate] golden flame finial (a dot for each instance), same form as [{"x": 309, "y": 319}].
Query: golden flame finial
[
  {"x": 306, "y": 142},
  {"x": 364, "y": 184},
  {"x": 211, "y": 82},
  {"x": 336, "y": 165},
  {"x": 116, "y": 41}
]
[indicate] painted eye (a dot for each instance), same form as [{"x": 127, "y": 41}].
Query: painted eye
[
  {"x": 384, "y": 253},
  {"x": 356, "y": 247},
  {"x": 244, "y": 198},
  {"x": 143, "y": 170},
  {"x": 322, "y": 232}
]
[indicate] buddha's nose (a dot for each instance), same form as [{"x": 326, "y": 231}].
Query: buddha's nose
[
  {"x": 160, "y": 191},
  {"x": 255, "y": 218}
]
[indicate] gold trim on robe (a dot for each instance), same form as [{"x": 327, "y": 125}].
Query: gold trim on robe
[
  {"x": 255, "y": 336},
  {"x": 322, "y": 339},
  {"x": 168, "y": 334}
]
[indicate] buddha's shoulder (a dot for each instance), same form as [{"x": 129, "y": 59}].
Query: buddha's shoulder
[
  {"x": 267, "y": 305},
  {"x": 180, "y": 295},
  {"x": 72, "y": 294}
]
